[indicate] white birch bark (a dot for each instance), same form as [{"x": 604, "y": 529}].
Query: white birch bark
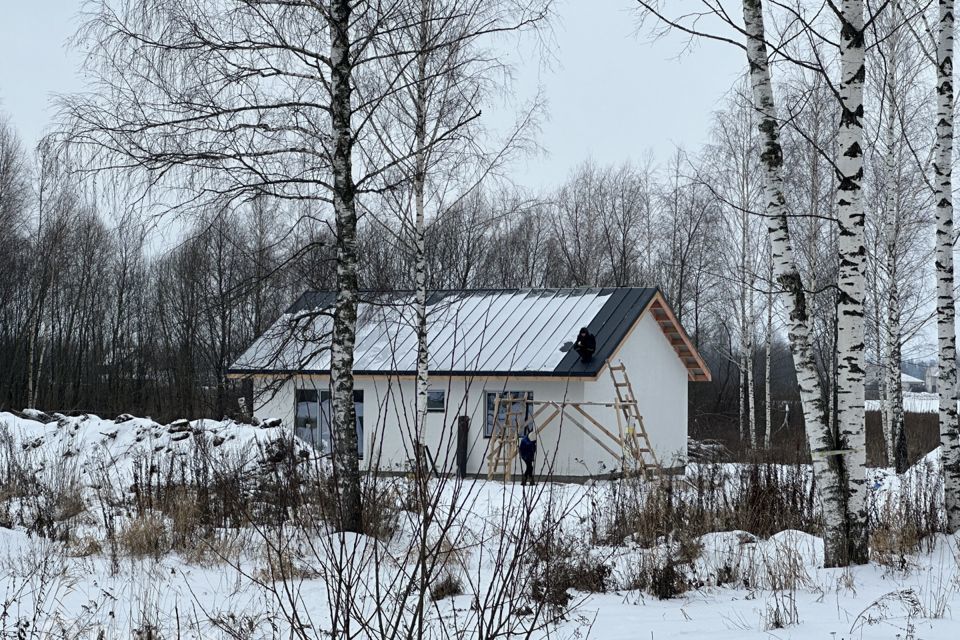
[
  {"x": 850, "y": 279},
  {"x": 419, "y": 186},
  {"x": 768, "y": 350},
  {"x": 830, "y": 480},
  {"x": 742, "y": 364},
  {"x": 946, "y": 304},
  {"x": 745, "y": 356},
  {"x": 346, "y": 467},
  {"x": 893, "y": 390}
]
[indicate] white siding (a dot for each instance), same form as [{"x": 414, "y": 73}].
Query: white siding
[{"x": 659, "y": 381}]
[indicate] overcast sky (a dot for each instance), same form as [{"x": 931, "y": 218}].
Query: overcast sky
[{"x": 612, "y": 95}]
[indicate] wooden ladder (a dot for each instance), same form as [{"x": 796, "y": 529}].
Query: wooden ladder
[
  {"x": 638, "y": 453},
  {"x": 504, "y": 435}
]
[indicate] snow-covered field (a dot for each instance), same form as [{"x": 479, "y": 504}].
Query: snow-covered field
[
  {"x": 915, "y": 402},
  {"x": 256, "y": 581}
]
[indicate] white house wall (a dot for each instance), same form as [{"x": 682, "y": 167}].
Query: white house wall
[
  {"x": 387, "y": 429},
  {"x": 659, "y": 382}
]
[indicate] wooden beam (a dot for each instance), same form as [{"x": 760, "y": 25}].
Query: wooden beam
[
  {"x": 599, "y": 426},
  {"x": 577, "y": 423}
]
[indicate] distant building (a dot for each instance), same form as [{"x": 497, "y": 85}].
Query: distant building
[
  {"x": 486, "y": 348},
  {"x": 909, "y": 383}
]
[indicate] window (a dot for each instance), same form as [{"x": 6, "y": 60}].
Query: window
[
  {"x": 306, "y": 420},
  {"x": 436, "y": 401},
  {"x": 314, "y": 416},
  {"x": 520, "y": 406}
]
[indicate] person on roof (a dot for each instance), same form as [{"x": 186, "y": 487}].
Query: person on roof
[
  {"x": 528, "y": 453},
  {"x": 585, "y": 345}
]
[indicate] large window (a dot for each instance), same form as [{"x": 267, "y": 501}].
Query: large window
[
  {"x": 314, "y": 411},
  {"x": 517, "y": 398}
]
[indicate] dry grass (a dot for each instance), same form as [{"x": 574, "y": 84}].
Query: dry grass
[
  {"x": 84, "y": 547},
  {"x": 280, "y": 565},
  {"x": 215, "y": 549},
  {"x": 145, "y": 535},
  {"x": 759, "y": 498}
]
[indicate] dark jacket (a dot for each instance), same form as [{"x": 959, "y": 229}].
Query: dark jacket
[
  {"x": 528, "y": 449},
  {"x": 585, "y": 345}
]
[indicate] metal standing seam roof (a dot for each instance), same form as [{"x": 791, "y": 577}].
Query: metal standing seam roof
[{"x": 510, "y": 332}]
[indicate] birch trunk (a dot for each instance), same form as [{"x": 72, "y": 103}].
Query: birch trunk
[
  {"x": 744, "y": 339},
  {"x": 830, "y": 479},
  {"x": 850, "y": 278},
  {"x": 423, "y": 375},
  {"x": 893, "y": 390},
  {"x": 946, "y": 309},
  {"x": 743, "y": 398},
  {"x": 419, "y": 186},
  {"x": 346, "y": 466},
  {"x": 768, "y": 349},
  {"x": 31, "y": 342},
  {"x": 751, "y": 394}
]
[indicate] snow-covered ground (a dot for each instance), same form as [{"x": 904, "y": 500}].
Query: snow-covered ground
[{"x": 737, "y": 585}]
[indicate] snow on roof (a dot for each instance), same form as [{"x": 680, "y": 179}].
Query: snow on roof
[
  {"x": 487, "y": 331},
  {"x": 906, "y": 378}
]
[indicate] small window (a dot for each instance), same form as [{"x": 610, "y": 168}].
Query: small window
[{"x": 436, "y": 401}]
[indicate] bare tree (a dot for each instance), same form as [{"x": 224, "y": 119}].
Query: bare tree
[{"x": 946, "y": 301}]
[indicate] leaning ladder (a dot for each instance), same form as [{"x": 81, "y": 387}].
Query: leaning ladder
[
  {"x": 638, "y": 454},
  {"x": 504, "y": 435}
]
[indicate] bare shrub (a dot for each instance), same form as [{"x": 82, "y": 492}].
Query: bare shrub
[
  {"x": 762, "y": 499},
  {"x": 562, "y": 562},
  {"x": 447, "y": 586},
  {"x": 381, "y": 508}
]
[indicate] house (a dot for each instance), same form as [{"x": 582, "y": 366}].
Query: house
[
  {"x": 908, "y": 383},
  {"x": 488, "y": 349}
]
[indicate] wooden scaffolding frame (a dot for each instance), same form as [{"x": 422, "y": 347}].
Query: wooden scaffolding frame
[{"x": 630, "y": 444}]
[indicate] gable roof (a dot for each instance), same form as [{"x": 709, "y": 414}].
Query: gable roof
[{"x": 486, "y": 332}]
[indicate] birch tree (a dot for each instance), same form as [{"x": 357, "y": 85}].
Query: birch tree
[
  {"x": 851, "y": 345},
  {"x": 946, "y": 302},
  {"x": 829, "y": 474},
  {"x": 835, "y": 433},
  {"x": 236, "y": 100}
]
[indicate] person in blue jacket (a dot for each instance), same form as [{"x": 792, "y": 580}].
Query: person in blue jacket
[{"x": 528, "y": 452}]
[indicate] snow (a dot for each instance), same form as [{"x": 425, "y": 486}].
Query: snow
[
  {"x": 98, "y": 450},
  {"x": 741, "y": 585},
  {"x": 918, "y": 402},
  {"x": 470, "y": 331}
]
